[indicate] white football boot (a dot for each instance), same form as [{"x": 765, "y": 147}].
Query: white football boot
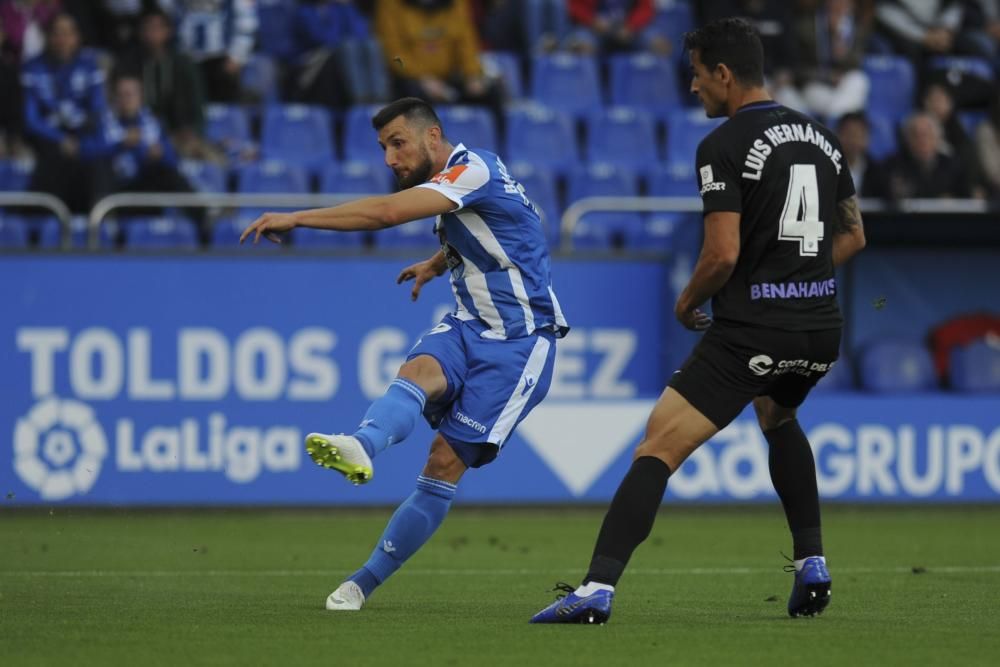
[
  {"x": 342, "y": 453},
  {"x": 347, "y": 597}
]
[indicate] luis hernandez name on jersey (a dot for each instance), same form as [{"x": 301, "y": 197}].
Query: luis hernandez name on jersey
[{"x": 780, "y": 134}]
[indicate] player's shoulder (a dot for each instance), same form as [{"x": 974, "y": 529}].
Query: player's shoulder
[{"x": 466, "y": 167}]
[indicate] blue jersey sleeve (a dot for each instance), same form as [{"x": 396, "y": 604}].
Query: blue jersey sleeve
[{"x": 466, "y": 181}]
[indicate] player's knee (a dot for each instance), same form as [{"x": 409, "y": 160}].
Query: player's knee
[
  {"x": 443, "y": 464},
  {"x": 770, "y": 415},
  {"x": 425, "y": 372}
]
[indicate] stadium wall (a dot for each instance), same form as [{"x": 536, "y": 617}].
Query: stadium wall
[{"x": 190, "y": 380}]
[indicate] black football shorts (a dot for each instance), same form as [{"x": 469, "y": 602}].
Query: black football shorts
[{"x": 733, "y": 364}]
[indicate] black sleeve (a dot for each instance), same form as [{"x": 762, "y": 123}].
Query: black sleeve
[
  {"x": 718, "y": 178},
  {"x": 845, "y": 184}
]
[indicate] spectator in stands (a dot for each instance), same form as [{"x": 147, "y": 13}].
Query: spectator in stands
[
  {"x": 339, "y": 63},
  {"x": 433, "y": 53},
  {"x": 219, "y": 35},
  {"x": 64, "y": 104},
  {"x": 545, "y": 24},
  {"x": 938, "y": 102},
  {"x": 983, "y": 24},
  {"x": 24, "y": 24},
  {"x": 142, "y": 157},
  {"x": 854, "y": 133},
  {"x": 172, "y": 86},
  {"x": 608, "y": 26},
  {"x": 925, "y": 167},
  {"x": 11, "y": 106},
  {"x": 988, "y": 147},
  {"x": 921, "y": 28},
  {"x": 830, "y": 42}
]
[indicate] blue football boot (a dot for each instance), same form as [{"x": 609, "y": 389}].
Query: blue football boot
[
  {"x": 593, "y": 609},
  {"x": 811, "y": 589}
]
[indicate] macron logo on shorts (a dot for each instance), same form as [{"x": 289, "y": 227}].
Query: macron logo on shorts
[{"x": 469, "y": 421}]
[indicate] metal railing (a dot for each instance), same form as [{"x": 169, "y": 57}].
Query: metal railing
[{"x": 46, "y": 201}]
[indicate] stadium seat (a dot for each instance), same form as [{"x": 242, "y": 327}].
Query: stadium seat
[
  {"x": 228, "y": 125},
  {"x": 685, "y": 130},
  {"x": 259, "y": 78},
  {"x": 226, "y": 232},
  {"x": 673, "y": 19},
  {"x": 543, "y": 17},
  {"x": 416, "y": 234},
  {"x": 160, "y": 232},
  {"x": 958, "y": 66},
  {"x": 507, "y": 68},
  {"x": 272, "y": 176},
  {"x": 355, "y": 178},
  {"x": 50, "y": 232},
  {"x": 883, "y": 140},
  {"x": 622, "y": 136},
  {"x": 15, "y": 175},
  {"x": 898, "y": 366},
  {"x": 297, "y": 133},
  {"x": 204, "y": 176},
  {"x": 603, "y": 229},
  {"x": 542, "y": 137},
  {"x": 663, "y": 182},
  {"x": 567, "y": 83},
  {"x": 472, "y": 126},
  {"x": 275, "y": 34},
  {"x": 540, "y": 187},
  {"x": 669, "y": 230},
  {"x": 976, "y": 367},
  {"x": 13, "y": 232},
  {"x": 645, "y": 81},
  {"x": 893, "y": 85},
  {"x": 360, "y": 141}
]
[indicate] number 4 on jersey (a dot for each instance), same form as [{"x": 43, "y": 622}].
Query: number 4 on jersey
[{"x": 800, "y": 218}]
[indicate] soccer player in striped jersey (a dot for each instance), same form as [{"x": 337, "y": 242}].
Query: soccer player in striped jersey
[{"x": 482, "y": 369}]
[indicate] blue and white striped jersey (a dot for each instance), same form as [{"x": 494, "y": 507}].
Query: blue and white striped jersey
[
  {"x": 214, "y": 28},
  {"x": 495, "y": 248}
]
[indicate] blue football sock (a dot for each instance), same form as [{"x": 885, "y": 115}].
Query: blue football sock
[
  {"x": 391, "y": 418},
  {"x": 411, "y": 525}
]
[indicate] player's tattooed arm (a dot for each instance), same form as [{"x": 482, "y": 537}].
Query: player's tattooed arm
[{"x": 848, "y": 231}]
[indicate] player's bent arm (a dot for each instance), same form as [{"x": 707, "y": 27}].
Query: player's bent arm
[
  {"x": 719, "y": 253},
  {"x": 373, "y": 213},
  {"x": 848, "y": 231}
]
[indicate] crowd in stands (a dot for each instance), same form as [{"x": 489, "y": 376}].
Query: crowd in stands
[{"x": 581, "y": 97}]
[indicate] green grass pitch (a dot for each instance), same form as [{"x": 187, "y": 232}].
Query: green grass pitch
[{"x": 911, "y": 586}]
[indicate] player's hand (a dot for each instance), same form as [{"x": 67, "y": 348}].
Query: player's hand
[
  {"x": 421, "y": 273},
  {"x": 269, "y": 226},
  {"x": 695, "y": 319}
]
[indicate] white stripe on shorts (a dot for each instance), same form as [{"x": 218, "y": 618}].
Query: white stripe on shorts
[{"x": 522, "y": 392}]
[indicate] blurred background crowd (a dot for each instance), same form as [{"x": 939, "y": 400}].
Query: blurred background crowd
[{"x": 580, "y": 97}]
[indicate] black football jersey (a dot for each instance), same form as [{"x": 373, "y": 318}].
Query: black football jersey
[{"x": 784, "y": 173}]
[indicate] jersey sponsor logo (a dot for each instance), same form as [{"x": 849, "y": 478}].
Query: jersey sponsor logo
[
  {"x": 450, "y": 175},
  {"x": 761, "y": 364},
  {"x": 802, "y": 367},
  {"x": 706, "y": 174},
  {"x": 469, "y": 421},
  {"x": 795, "y": 290},
  {"x": 717, "y": 186}
]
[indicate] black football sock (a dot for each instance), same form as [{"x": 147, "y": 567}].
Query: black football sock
[
  {"x": 793, "y": 473},
  {"x": 629, "y": 519}
]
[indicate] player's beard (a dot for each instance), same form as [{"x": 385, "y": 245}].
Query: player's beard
[{"x": 419, "y": 174}]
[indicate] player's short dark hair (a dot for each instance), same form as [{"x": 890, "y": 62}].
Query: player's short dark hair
[
  {"x": 732, "y": 42},
  {"x": 413, "y": 108}
]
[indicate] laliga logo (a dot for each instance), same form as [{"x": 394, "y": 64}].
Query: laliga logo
[{"x": 47, "y": 440}]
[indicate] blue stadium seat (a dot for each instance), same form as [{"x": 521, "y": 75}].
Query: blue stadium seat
[
  {"x": 603, "y": 229},
  {"x": 275, "y": 34},
  {"x": 957, "y": 66},
  {"x": 663, "y": 182},
  {"x": 15, "y": 175},
  {"x": 622, "y": 136},
  {"x": 416, "y": 234},
  {"x": 297, "y": 133},
  {"x": 567, "y": 83},
  {"x": 506, "y": 67},
  {"x": 226, "y": 235},
  {"x": 645, "y": 81},
  {"x": 355, "y": 178},
  {"x": 542, "y": 137},
  {"x": 259, "y": 78},
  {"x": 543, "y": 17},
  {"x": 673, "y": 19},
  {"x": 472, "y": 126},
  {"x": 13, "y": 232},
  {"x": 228, "y": 125},
  {"x": 893, "y": 85},
  {"x": 360, "y": 140},
  {"x": 161, "y": 232},
  {"x": 540, "y": 186},
  {"x": 897, "y": 366},
  {"x": 50, "y": 232},
  {"x": 204, "y": 176},
  {"x": 882, "y": 139},
  {"x": 670, "y": 230},
  {"x": 685, "y": 130},
  {"x": 976, "y": 367},
  {"x": 272, "y": 176}
]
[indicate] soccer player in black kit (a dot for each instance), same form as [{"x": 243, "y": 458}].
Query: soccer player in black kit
[{"x": 780, "y": 213}]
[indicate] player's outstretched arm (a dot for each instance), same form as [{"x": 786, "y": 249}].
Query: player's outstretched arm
[
  {"x": 848, "y": 231},
  {"x": 719, "y": 253},
  {"x": 423, "y": 272},
  {"x": 370, "y": 213}
]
